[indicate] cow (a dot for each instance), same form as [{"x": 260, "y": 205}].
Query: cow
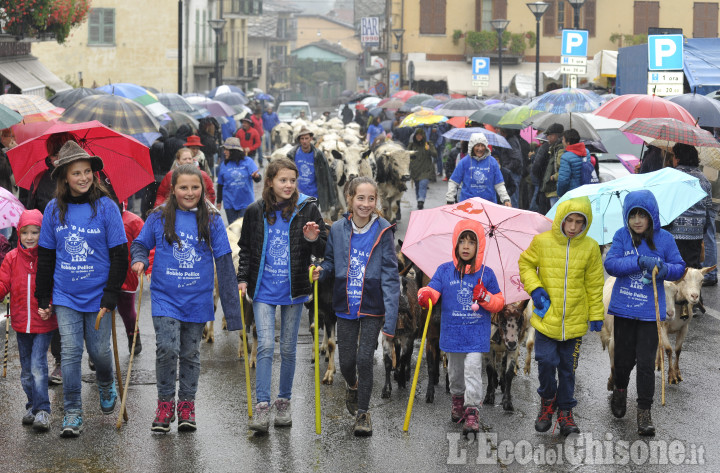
[
  {"x": 393, "y": 171},
  {"x": 508, "y": 331},
  {"x": 281, "y": 135}
]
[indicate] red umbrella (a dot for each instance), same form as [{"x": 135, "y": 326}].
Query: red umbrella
[
  {"x": 26, "y": 131},
  {"x": 629, "y": 106},
  {"x": 457, "y": 96},
  {"x": 126, "y": 160},
  {"x": 403, "y": 95},
  {"x": 458, "y": 122}
]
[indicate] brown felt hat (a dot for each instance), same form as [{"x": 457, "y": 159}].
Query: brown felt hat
[
  {"x": 70, "y": 152},
  {"x": 304, "y": 131},
  {"x": 232, "y": 143}
]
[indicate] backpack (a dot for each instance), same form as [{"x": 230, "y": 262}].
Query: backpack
[{"x": 589, "y": 176}]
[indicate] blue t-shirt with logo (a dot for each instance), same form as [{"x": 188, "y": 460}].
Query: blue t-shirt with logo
[
  {"x": 307, "y": 183},
  {"x": 360, "y": 247},
  {"x": 236, "y": 179},
  {"x": 478, "y": 178},
  {"x": 182, "y": 280},
  {"x": 461, "y": 329},
  {"x": 82, "y": 244}
]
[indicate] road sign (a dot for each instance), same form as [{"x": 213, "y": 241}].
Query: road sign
[
  {"x": 480, "y": 77},
  {"x": 666, "y": 77},
  {"x": 481, "y": 66},
  {"x": 380, "y": 88},
  {"x": 565, "y": 69},
  {"x": 665, "y": 52},
  {"x": 574, "y": 60},
  {"x": 574, "y": 43},
  {"x": 480, "y": 83},
  {"x": 370, "y": 31},
  {"x": 663, "y": 90}
]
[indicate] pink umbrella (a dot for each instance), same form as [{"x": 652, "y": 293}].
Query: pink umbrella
[
  {"x": 508, "y": 232},
  {"x": 10, "y": 209}
]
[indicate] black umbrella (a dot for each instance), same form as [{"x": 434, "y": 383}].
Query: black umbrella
[
  {"x": 387, "y": 125},
  {"x": 69, "y": 97},
  {"x": 704, "y": 109}
]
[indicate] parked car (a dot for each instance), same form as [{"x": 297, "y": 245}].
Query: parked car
[
  {"x": 289, "y": 111},
  {"x": 616, "y": 143}
]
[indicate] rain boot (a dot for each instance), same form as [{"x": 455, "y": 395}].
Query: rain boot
[
  {"x": 618, "y": 402},
  {"x": 645, "y": 423}
]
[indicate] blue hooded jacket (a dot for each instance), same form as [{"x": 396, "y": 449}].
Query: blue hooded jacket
[{"x": 630, "y": 297}]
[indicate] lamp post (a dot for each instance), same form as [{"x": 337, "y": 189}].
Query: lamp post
[
  {"x": 398, "y": 42},
  {"x": 217, "y": 25},
  {"x": 499, "y": 26},
  {"x": 538, "y": 9},
  {"x": 576, "y": 4}
]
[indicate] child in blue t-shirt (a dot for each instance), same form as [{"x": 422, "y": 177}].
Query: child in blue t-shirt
[
  {"x": 360, "y": 257},
  {"x": 465, "y": 326},
  {"x": 235, "y": 180},
  {"x": 187, "y": 237}
]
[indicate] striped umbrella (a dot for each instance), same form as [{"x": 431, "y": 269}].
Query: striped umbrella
[
  {"x": 68, "y": 97},
  {"x": 28, "y": 105},
  {"x": 566, "y": 100},
  {"x": 138, "y": 94},
  {"x": 670, "y": 129},
  {"x": 121, "y": 114}
]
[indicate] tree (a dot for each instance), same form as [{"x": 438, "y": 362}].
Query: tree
[{"x": 36, "y": 18}]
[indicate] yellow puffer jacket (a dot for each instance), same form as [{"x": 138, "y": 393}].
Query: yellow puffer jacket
[{"x": 570, "y": 270}]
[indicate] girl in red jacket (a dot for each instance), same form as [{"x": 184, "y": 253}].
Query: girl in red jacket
[
  {"x": 17, "y": 277},
  {"x": 126, "y": 300}
]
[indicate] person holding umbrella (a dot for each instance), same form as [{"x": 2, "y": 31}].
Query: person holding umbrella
[{"x": 82, "y": 262}]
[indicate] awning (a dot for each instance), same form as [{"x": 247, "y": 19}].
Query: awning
[
  {"x": 701, "y": 64},
  {"x": 43, "y": 74},
  {"x": 18, "y": 75}
]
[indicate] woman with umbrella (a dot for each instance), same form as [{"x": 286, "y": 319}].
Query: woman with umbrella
[{"x": 421, "y": 165}]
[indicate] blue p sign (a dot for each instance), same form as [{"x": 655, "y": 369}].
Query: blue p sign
[
  {"x": 665, "y": 52},
  {"x": 574, "y": 43},
  {"x": 481, "y": 66}
]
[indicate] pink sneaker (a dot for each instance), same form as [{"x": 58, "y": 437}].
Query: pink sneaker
[
  {"x": 164, "y": 416},
  {"x": 471, "y": 421},
  {"x": 458, "y": 410}
]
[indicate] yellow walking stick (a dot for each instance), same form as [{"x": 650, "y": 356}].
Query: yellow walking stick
[
  {"x": 245, "y": 356},
  {"x": 318, "y": 427},
  {"x": 132, "y": 357},
  {"x": 408, "y": 413},
  {"x": 662, "y": 352}
]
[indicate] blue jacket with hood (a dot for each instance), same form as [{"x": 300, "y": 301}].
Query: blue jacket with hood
[{"x": 630, "y": 297}]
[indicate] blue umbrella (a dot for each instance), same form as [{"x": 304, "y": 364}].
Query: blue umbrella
[
  {"x": 464, "y": 134},
  {"x": 567, "y": 100},
  {"x": 674, "y": 190},
  {"x": 223, "y": 89},
  {"x": 265, "y": 96}
]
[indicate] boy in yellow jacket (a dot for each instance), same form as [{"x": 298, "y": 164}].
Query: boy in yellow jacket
[{"x": 562, "y": 270}]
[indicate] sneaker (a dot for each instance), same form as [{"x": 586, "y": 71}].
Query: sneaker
[
  {"x": 283, "y": 417},
  {"x": 420, "y": 204},
  {"x": 138, "y": 343},
  {"x": 29, "y": 417},
  {"x": 351, "y": 400},
  {"x": 709, "y": 282},
  {"x": 55, "y": 376},
  {"x": 618, "y": 402},
  {"x": 544, "y": 418},
  {"x": 445, "y": 179},
  {"x": 471, "y": 421},
  {"x": 186, "y": 416},
  {"x": 457, "y": 412},
  {"x": 164, "y": 416},
  {"x": 645, "y": 423},
  {"x": 363, "y": 425},
  {"x": 108, "y": 397},
  {"x": 72, "y": 424},
  {"x": 261, "y": 418},
  {"x": 42, "y": 421},
  {"x": 567, "y": 423}
]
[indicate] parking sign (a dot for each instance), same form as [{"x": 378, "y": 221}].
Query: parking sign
[
  {"x": 665, "y": 52},
  {"x": 370, "y": 31},
  {"x": 481, "y": 66},
  {"x": 574, "y": 43}
]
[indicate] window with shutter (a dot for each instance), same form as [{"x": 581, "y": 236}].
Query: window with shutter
[
  {"x": 101, "y": 27},
  {"x": 705, "y": 20},
  {"x": 646, "y": 15},
  {"x": 432, "y": 16},
  {"x": 549, "y": 20},
  {"x": 94, "y": 26},
  {"x": 500, "y": 9},
  {"x": 589, "y": 21},
  {"x": 478, "y": 15}
]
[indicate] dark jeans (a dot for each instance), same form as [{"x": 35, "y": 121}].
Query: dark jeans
[
  {"x": 56, "y": 347},
  {"x": 177, "y": 340},
  {"x": 32, "y": 348},
  {"x": 562, "y": 357},
  {"x": 356, "y": 356},
  {"x": 126, "y": 309},
  {"x": 636, "y": 343},
  {"x": 690, "y": 250},
  {"x": 233, "y": 214}
]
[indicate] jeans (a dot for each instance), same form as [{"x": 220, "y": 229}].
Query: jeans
[
  {"x": 710, "y": 251},
  {"x": 515, "y": 197},
  {"x": 267, "y": 138},
  {"x": 636, "y": 341},
  {"x": 233, "y": 214},
  {"x": 421, "y": 187},
  {"x": 260, "y": 155},
  {"x": 75, "y": 328},
  {"x": 356, "y": 355},
  {"x": 289, "y": 327},
  {"x": 533, "y": 200},
  {"x": 557, "y": 356},
  {"x": 465, "y": 376},
  {"x": 126, "y": 309},
  {"x": 553, "y": 200},
  {"x": 177, "y": 340},
  {"x": 33, "y": 348}
]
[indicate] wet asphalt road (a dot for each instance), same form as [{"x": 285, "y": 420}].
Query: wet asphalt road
[{"x": 688, "y": 426}]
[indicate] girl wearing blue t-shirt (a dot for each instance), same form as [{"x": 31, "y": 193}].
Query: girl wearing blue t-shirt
[
  {"x": 187, "y": 238},
  {"x": 235, "y": 180},
  {"x": 82, "y": 262},
  {"x": 478, "y": 175},
  {"x": 279, "y": 233},
  {"x": 360, "y": 256},
  {"x": 464, "y": 326}
]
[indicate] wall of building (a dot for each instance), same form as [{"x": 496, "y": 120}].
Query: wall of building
[{"x": 310, "y": 26}]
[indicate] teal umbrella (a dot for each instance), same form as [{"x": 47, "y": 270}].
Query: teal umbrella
[
  {"x": 675, "y": 192},
  {"x": 8, "y": 117}
]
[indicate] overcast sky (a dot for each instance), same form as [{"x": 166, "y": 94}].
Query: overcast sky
[{"x": 314, "y": 6}]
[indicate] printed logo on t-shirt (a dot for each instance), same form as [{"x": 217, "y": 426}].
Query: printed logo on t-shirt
[
  {"x": 185, "y": 254},
  {"x": 305, "y": 170},
  {"x": 356, "y": 272},
  {"x": 636, "y": 280},
  {"x": 479, "y": 177},
  {"x": 279, "y": 249},
  {"x": 464, "y": 298},
  {"x": 77, "y": 247}
]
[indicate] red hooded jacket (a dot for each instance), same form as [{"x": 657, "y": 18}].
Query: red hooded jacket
[{"x": 133, "y": 224}]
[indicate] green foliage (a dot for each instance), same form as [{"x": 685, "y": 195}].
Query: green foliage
[
  {"x": 309, "y": 72},
  {"x": 628, "y": 39},
  {"x": 32, "y": 18},
  {"x": 457, "y": 34},
  {"x": 486, "y": 41}
]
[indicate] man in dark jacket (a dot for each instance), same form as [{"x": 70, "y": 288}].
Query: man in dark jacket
[
  {"x": 511, "y": 159},
  {"x": 544, "y": 153},
  {"x": 347, "y": 114},
  {"x": 316, "y": 178},
  {"x": 208, "y": 137},
  {"x": 421, "y": 165}
]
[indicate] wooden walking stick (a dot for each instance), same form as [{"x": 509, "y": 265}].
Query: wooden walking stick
[
  {"x": 660, "y": 340},
  {"x": 245, "y": 357},
  {"x": 411, "y": 401},
  {"x": 118, "y": 375},
  {"x": 7, "y": 337},
  {"x": 318, "y": 427},
  {"x": 123, "y": 412}
]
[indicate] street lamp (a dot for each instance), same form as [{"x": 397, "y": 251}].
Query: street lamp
[
  {"x": 217, "y": 25},
  {"x": 398, "y": 42},
  {"x": 538, "y": 9},
  {"x": 576, "y": 4},
  {"x": 499, "y": 26}
]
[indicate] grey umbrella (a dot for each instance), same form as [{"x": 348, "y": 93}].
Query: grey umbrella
[
  {"x": 567, "y": 120},
  {"x": 460, "y": 107},
  {"x": 704, "y": 109}
]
